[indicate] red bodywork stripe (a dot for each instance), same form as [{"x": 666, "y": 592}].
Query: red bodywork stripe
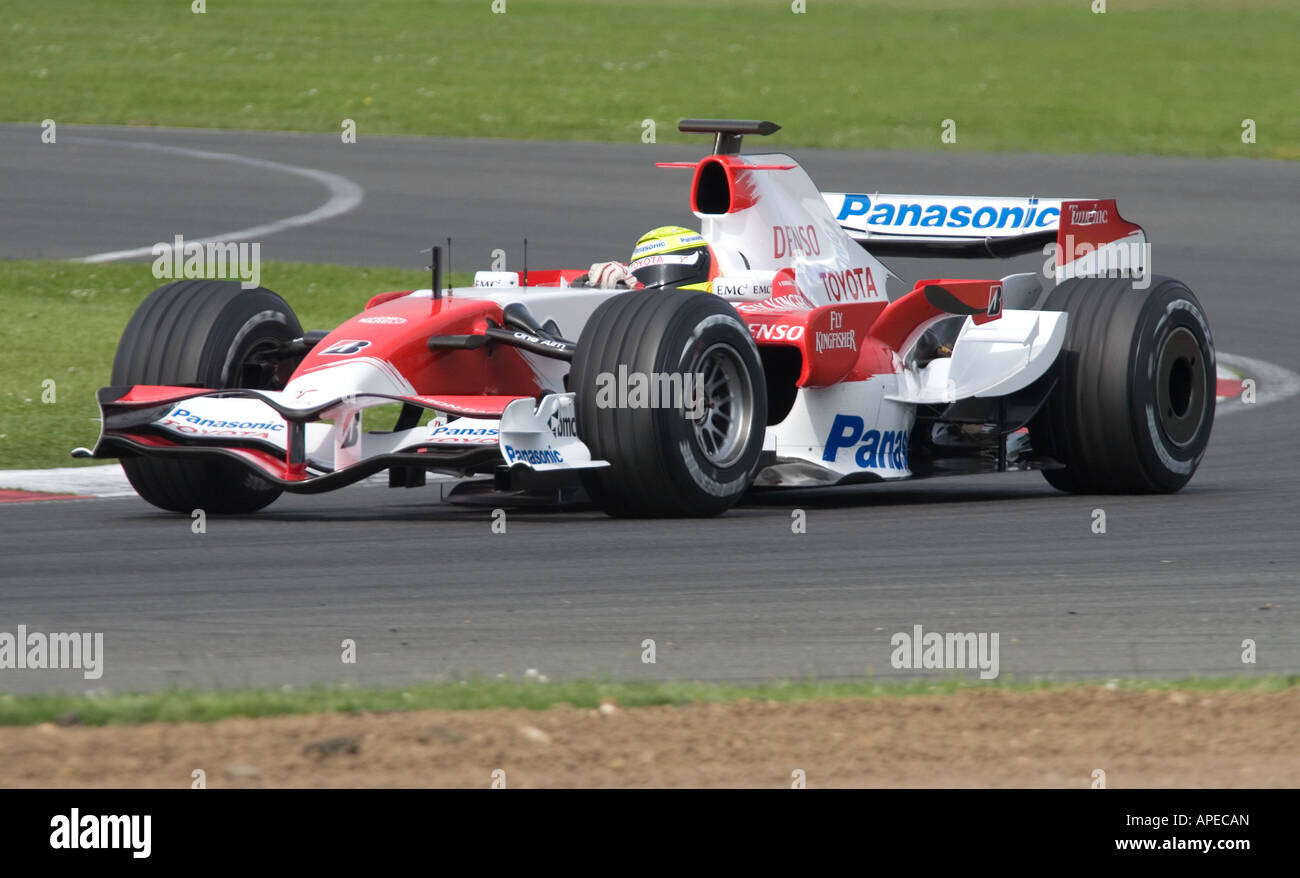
[
  {"x": 740, "y": 187},
  {"x": 467, "y": 406},
  {"x": 272, "y": 464},
  {"x": 261, "y": 459},
  {"x": 155, "y": 393},
  {"x": 386, "y": 297},
  {"x": 1095, "y": 234},
  {"x": 147, "y": 439},
  {"x": 28, "y": 496},
  {"x": 902, "y": 316},
  {"x": 552, "y": 277}
]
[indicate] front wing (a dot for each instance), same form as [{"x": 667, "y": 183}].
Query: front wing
[{"x": 318, "y": 447}]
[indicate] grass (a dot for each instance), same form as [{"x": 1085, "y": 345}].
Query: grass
[
  {"x": 62, "y": 321},
  {"x": 190, "y": 706},
  {"x": 1148, "y": 76}
]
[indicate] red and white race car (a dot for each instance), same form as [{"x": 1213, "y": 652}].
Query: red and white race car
[{"x": 795, "y": 370}]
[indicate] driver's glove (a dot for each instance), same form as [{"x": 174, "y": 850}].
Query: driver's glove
[{"x": 610, "y": 275}]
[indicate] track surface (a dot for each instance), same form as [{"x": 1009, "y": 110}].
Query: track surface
[{"x": 428, "y": 590}]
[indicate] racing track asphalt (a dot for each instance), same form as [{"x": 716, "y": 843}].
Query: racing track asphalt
[{"x": 426, "y": 589}]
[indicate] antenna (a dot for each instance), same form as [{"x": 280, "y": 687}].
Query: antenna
[
  {"x": 435, "y": 266},
  {"x": 525, "y": 262},
  {"x": 448, "y": 261}
]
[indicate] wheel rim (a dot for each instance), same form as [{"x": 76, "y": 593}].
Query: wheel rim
[
  {"x": 262, "y": 368},
  {"x": 723, "y": 428},
  {"x": 1180, "y": 386}
]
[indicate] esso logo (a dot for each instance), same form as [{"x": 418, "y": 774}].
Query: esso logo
[{"x": 776, "y": 332}]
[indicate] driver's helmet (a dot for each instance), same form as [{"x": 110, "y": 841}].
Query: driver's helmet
[{"x": 673, "y": 257}]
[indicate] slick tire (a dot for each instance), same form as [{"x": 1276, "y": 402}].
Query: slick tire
[
  {"x": 203, "y": 333},
  {"x": 666, "y": 461},
  {"x": 1134, "y": 400}
]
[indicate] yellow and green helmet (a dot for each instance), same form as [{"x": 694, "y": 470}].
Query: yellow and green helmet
[{"x": 673, "y": 257}]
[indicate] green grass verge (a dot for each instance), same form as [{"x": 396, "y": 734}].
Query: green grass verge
[
  {"x": 62, "y": 322},
  {"x": 1148, "y": 76},
  {"x": 186, "y": 706}
]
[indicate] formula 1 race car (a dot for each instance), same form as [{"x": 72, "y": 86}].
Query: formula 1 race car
[{"x": 794, "y": 369}]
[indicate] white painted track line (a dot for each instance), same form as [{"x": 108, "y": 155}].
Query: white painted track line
[
  {"x": 94, "y": 481},
  {"x": 345, "y": 195}
]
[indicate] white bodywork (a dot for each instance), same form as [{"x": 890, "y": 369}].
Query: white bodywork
[
  {"x": 545, "y": 437},
  {"x": 991, "y": 359},
  {"x": 867, "y": 417},
  {"x": 790, "y": 226}
]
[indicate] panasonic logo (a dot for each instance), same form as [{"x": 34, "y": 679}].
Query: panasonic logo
[
  {"x": 530, "y": 455},
  {"x": 464, "y": 431},
  {"x": 225, "y": 425},
  {"x": 879, "y": 449},
  {"x": 950, "y": 216}
]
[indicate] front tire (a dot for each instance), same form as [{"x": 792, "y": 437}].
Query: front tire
[
  {"x": 665, "y": 460},
  {"x": 1134, "y": 402},
  {"x": 204, "y": 333}
]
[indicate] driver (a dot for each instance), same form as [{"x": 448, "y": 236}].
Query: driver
[{"x": 669, "y": 257}]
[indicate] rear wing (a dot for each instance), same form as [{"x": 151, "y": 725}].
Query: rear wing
[
  {"x": 946, "y": 225},
  {"x": 1091, "y": 236}
]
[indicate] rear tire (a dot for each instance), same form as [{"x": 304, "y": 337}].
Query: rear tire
[
  {"x": 662, "y": 462},
  {"x": 1134, "y": 402},
  {"x": 203, "y": 333}
]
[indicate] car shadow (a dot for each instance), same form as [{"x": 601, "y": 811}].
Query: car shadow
[{"x": 1019, "y": 488}]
